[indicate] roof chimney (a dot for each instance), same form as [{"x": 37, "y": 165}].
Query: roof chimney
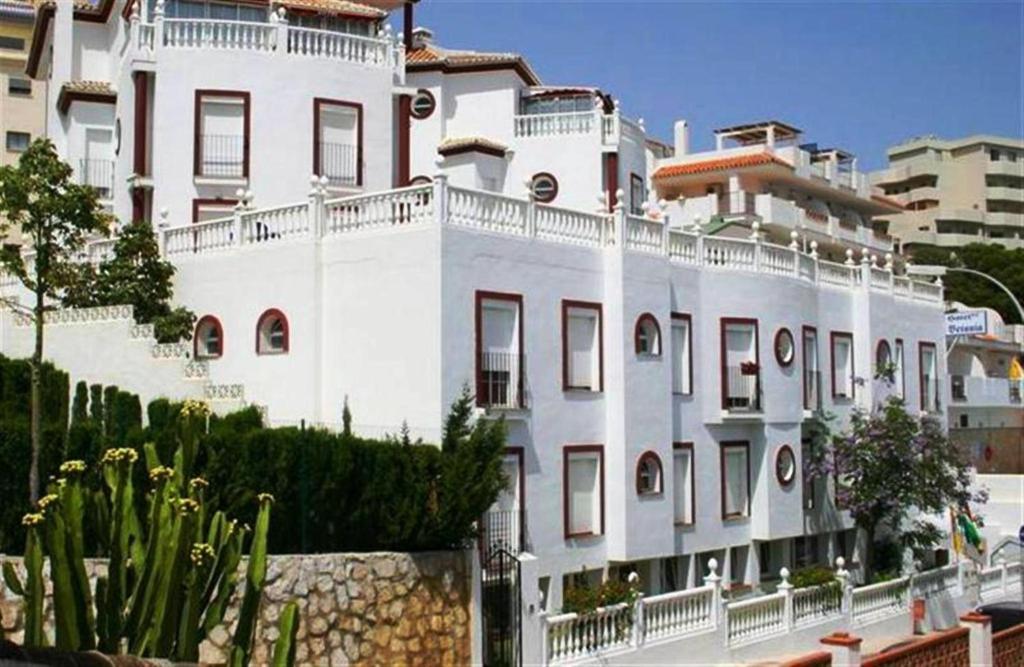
[
  {"x": 682, "y": 138},
  {"x": 422, "y": 37}
]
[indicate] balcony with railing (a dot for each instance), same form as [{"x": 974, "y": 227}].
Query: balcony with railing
[
  {"x": 98, "y": 174},
  {"x": 222, "y": 155},
  {"x": 501, "y": 381},
  {"x": 339, "y": 163},
  {"x": 742, "y": 389},
  {"x": 976, "y": 391}
]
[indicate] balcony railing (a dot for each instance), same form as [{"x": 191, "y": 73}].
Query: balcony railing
[
  {"x": 742, "y": 390},
  {"x": 339, "y": 163},
  {"x": 222, "y": 155},
  {"x": 500, "y": 380},
  {"x": 99, "y": 174},
  {"x": 504, "y": 529},
  {"x": 812, "y": 390}
]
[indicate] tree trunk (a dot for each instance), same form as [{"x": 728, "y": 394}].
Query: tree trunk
[
  {"x": 36, "y": 400},
  {"x": 869, "y": 554}
]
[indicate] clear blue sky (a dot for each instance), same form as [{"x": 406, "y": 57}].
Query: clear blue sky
[{"x": 857, "y": 75}]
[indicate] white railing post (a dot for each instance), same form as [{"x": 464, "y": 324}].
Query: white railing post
[
  {"x": 619, "y": 217},
  {"x": 236, "y": 221},
  {"x": 531, "y": 218},
  {"x": 794, "y": 245},
  {"x": 698, "y": 231},
  {"x": 317, "y": 210},
  {"x": 846, "y": 594},
  {"x": 158, "y": 26},
  {"x": 890, "y": 267},
  {"x": 712, "y": 579},
  {"x": 638, "y": 621},
  {"x": 161, "y": 232},
  {"x": 544, "y": 631},
  {"x": 755, "y": 236},
  {"x": 133, "y": 22},
  {"x": 281, "y": 32},
  {"x": 865, "y": 269},
  {"x": 786, "y": 589},
  {"x": 817, "y": 267},
  {"x": 441, "y": 198},
  {"x": 1004, "y": 575}
]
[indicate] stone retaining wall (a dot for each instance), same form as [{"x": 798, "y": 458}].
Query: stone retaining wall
[{"x": 356, "y": 609}]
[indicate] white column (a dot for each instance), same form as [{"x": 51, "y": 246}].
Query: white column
[
  {"x": 441, "y": 198},
  {"x": 786, "y": 589},
  {"x": 845, "y": 649},
  {"x": 981, "y": 638},
  {"x": 712, "y": 579},
  {"x": 158, "y": 27},
  {"x": 530, "y": 612}
]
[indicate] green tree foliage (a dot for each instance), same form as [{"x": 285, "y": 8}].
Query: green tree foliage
[
  {"x": 80, "y": 406},
  {"x": 96, "y": 403},
  {"x": 890, "y": 469},
  {"x": 1006, "y": 266},
  {"x": 135, "y": 274},
  {"x": 55, "y": 215}
]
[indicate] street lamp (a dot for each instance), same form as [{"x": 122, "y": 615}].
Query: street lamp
[{"x": 936, "y": 271}]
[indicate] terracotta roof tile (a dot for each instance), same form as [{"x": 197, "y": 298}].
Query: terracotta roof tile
[
  {"x": 342, "y": 7},
  {"x": 433, "y": 56},
  {"x": 718, "y": 164},
  {"x": 86, "y": 91},
  {"x": 467, "y": 144},
  {"x": 91, "y": 87}
]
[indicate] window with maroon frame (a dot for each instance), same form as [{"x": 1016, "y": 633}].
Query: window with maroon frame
[
  {"x": 843, "y": 385},
  {"x": 222, "y": 134},
  {"x": 499, "y": 350},
  {"x": 582, "y": 343},
  {"x": 583, "y": 490},
  {"x": 272, "y": 333},
  {"x": 208, "y": 341},
  {"x": 647, "y": 336},
  {"x": 649, "y": 477},
  {"x": 735, "y": 477},
  {"x": 684, "y": 494},
  {"x": 338, "y": 142}
]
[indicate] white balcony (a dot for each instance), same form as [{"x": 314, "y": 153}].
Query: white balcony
[
  {"x": 1004, "y": 194},
  {"x": 970, "y": 391},
  {"x": 1005, "y": 168},
  {"x": 99, "y": 174}
]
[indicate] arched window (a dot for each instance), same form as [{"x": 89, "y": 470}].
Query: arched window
[
  {"x": 420, "y": 180},
  {"x": 883, "y": 355},
  {"x": 647, "y": 336},
  {"x": 785, "y": 349},
  {"x": 272, "y": 333},
  {"x": 649, "y": 479},
  {"x": 544, "y": 187},
  {"x": 209, "y": 339}
]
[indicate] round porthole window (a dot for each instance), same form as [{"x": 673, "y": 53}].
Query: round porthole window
[
  {"x": 423, "y": 104},
  {"x": 785, "y": 465},
  {"x": 785, "y": 350},
  {"x": 544, "y": 187}
]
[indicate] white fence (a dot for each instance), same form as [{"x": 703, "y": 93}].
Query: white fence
[
  {"x": 611, "y": 631},
  {"x": 441, "y": 204}
]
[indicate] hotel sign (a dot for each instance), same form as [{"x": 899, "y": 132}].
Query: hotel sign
[{"x": 967, "y": 323}]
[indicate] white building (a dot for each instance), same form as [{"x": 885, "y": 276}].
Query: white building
[{"x": 656, "y": 380}]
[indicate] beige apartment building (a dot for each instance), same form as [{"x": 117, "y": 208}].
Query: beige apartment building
[
  {"x": 956, "y": 192},
  {"x": 22, "y": 100}
]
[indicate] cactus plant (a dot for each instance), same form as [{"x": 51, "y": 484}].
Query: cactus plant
[
  {"x": 288, "y": 627},
  {"x": 169, "y": 580}
]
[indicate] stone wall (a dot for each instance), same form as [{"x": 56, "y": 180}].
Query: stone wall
[{"x": 356, "y": 609}]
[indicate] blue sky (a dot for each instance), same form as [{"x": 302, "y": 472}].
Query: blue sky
[{"x": 859, "y": 75}]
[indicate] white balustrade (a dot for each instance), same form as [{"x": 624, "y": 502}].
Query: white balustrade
[
  {"x": 831, "y": 273},
  {"x": 817, "y": 603},
  {"x": 1013, "y": 573},
  {"x": 644, "y": 235},
  {"x": 211, "y": 34},
  {"x": 171, "y": 351},
  {"x": 901, "y": 285},
  {"x": 753, "y": 619},
  {"x": 726, "y": 253},
  {"x": 199, "y": 237},
  {"x": 807, "y": 267},
  {"x": 403, "y": 207},
  {"x": 272, "y": 224},
  {"x": 682, "y": 247},
  {"x": 877, "y": 601},
  {"x": 574, "y": 636},
  {"x": 487, "y": 211},
  {"x": 678, "y": 613},
  {"x": 224, "y": 392},
  {"x": 555, "y": 124},
  {"x": 926, "y": 291},
  {"x": 610, "y": 128},
  {"x": 777, "y": 260},
  {"x": 879, "y": 279},
  {"x": 340, "y": 46},
  {"x": 564, "y": 225},
  {"x": 935, "y": 582},
  {"x": 991, "y": 582},
  {"x": 82, "y": 315},
  {"x": 100, "y": 251},
  {"x": 145, "y": 40}
]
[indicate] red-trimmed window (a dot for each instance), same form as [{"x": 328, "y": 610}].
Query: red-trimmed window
[
  {"x": 583, "y": 490},
  {"x": 582, "y": 346},
  {"x": 650, "y": 479},
  {"x": 684, "y": 494},
  {"x": 735, "y": 470},
  {"x": 637, "y": 194},
  {"x": 682, "y": 354},
  {"x": 812, "y": 373},
  {"x": 338, "y": 142},
  {"x": 741, "y": 364},
  {"x": 208, "y": 342},
  {"x": 928, "y": 363},
  {"x": 843, "y": 385},
  {"x": 222, "y": 134},
  {"x": 499, "y": 350},
  {"x": 272, "y": 333},
  {"x": 647, "y": 336}
]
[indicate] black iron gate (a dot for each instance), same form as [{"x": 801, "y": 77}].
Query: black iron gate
[{"x": 501, "y": 595}]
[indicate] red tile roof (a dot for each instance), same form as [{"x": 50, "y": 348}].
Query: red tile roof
[
  {"x": 430, "y": 57},
  {"x": 718, "y": 164}
]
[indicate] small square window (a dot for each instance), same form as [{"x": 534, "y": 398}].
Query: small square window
[
  {"x": 17, "y": 142},
  {"x": 18, "y": 86}
]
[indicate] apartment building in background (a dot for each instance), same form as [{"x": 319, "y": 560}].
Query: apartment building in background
[
  {"x": 956, "y": 192},
  {"x": 22, "y": 99}
]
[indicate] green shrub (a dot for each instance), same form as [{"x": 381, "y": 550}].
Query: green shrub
[
  {"x": 586, "y": 599},
  {"x": 80, "y": 406},
  {"x": 96, "y": 403},
  {"x": 814, "y": 575}
]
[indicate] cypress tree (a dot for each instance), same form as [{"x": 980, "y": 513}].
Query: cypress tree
[{"x": 80, "y": 407}]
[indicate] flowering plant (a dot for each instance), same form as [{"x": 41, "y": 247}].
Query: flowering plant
[{"x": 749, "y": 368}]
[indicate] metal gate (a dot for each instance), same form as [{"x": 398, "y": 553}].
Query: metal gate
[{"x": 501, "y": 598}]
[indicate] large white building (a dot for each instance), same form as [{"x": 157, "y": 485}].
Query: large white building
[{"x": 468, "y": 225}]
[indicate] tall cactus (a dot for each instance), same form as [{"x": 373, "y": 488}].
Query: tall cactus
[
  {"x": 287, "y": 627},
  {"x": 255, "y": 577},
  {"x": 32, "y": 590}
]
